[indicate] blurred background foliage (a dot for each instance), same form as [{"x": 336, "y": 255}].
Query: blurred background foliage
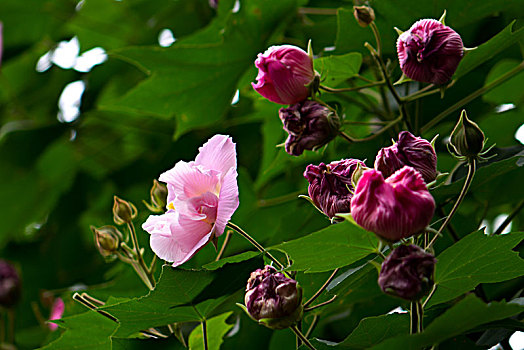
[{"x": 178, "y": 72}]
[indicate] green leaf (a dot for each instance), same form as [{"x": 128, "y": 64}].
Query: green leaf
[
  {"x": 465, "y": 315},
  {"x": 335, "y": 246},
  {"x": 489, "y": 49},
  {"x": 182, "y": 295},
  {"x": 336, "y": 69},
  {"x": 89, "y": 330},
  {"x": 508, "y": 92},
  {"x": 476, "y": 259},
  {"x": 196, "y": 78},
  {"x": 216, "y": 329},
  {"x": 231, "y": 259}
]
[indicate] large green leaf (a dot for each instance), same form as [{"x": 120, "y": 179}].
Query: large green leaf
[
  {"x": 510, "y": 91},
  {"x": 476, "y": 259},
  {"x": 335, "y": 246},
  {"x": 335, "y": 69},
  {"x": 489, "y": 49},
  {"x": 196, "y": 78},
  {"x": 465, "y": 315},
  {"x": 182, "y": 295},
  {"x": 216, "y": 328}
]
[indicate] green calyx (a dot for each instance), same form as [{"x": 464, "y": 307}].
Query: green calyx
[{"x": 467, "y": 139}]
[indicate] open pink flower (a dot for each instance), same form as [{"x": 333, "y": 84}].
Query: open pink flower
[
  {"x": 57, "y": 310},
  {"x": 202, "y": 197},
  {"x": 283, "y": 74},
  {"x": 395, "y": 208}
]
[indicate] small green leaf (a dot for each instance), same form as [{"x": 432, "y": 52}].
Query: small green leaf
[
  {"x": 335, "y": 246},
  {"x": 476, "y": 259},
  {"x": 216, "y": 329},
  {"x": 335, "y": 69}
]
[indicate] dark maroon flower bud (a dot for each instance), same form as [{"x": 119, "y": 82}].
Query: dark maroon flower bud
[
  {"x": 429, "y": 51},
  {"x": 467, "y": 139},
  {"x": 330, "y": 186},
  {"x": 407, "y": 272},
  {"x": 410, "y": 150},
  {"x": 272, "y": 299},
  {"x": 310, "y": 126},
  {"x": 364, "y": 15},
  {"x": 10, "y": 285}
]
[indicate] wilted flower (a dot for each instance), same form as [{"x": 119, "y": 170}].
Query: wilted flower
[
  {"x": 330, "y": 187},
  {"x": 395, "y": 208},
  {"x": 429, "y": 51},
  {"x": 410, "y": 150},
  {"x": 202, "y": 197},
  {"x": 273, "y": 299},
  {"x": 467, "y": 139},
  {"x": 10, "y": 285},
  {"x": 284, "y": 73},
  {"x": 309, "y": 124},
  {"x": 364, "y": 15},
  {"x": 407, "y": 272},
  {"x": 57, "y": 310}
]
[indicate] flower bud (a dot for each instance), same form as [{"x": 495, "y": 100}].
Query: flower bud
[
  {"x": 410, "y": 150},
  {"x": 395, "y": 208},
  {"x": 407, "y": 272},
  {"x": 330, "y": 187},
  {"x": 467, "y": 139},
  {"x": 364, "y": 15},
  {"x": 10, "y": 285},
  {"x": 107, "y": 239},
  {"x": 57, "y": 310},
  {"x": 309, "y": 124},
  {"x": 158, "y": 194},
  {"x": 123, "y": 211},
  {"x": 284, "y": 74},
  {"x": 429, "y": 51},
  {"x": 272, "y": 299}
]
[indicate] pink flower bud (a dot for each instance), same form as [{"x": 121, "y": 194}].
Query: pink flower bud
[
  {"x": 10, "y": 285},
  {"x": 330, "y": 185},
  {"x": 429, "y": 51},
  {"x": 309, "y": 124},
  {"x": 273, "y": 299},
  {"x": 410, "y": 150},
  {"x": 407, "y": 272},
  {"x": 57, "y": 310},
  {"x": 395, "y": 208},
  {"x": 284, "y": 73}
]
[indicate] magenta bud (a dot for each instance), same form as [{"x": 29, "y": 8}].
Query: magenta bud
[
  {"x": 272, "y": 299},
  {"x": 407, "y": 272},
  {"x": 330, "y": 186},
  {"x": 309, "y": 124},
  {"x": 284, "y": 74},
  {"x": 10, "y": 285},
  {"x": 429, "y": 51},
  {"x": 395, "y": 208},
  {"x": 410, "y": 150}
]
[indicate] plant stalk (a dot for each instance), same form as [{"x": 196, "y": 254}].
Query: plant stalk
[{"x": 302, "y": 337}]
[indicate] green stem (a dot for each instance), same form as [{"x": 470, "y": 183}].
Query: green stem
[
  {"x": 508, "y": 219},
  {"x": 473, "y": 96},
  {"x": 415, "y": 312},
  {"x": 374, "y": 28},
  {"x": 472, "y": 163},
  {"x": 355, "y": 88},
  {"x": 317, "y": 11},
  {"x": 321, "y": 289},
  {"x": 204, "y": 333},
  {"x": 372, "y": 136},
  {"x": 321, "y": 304},
  {"x": 302, "y": 337},
  {"x": 262, "y": 203},
  {"x": 223, "y": 248},
  {"x": 429, "y": 296},
  {"x": 145, "y": 273},
  {"x": 311, "y": 326},
  {"x": 254, "y": 243}
]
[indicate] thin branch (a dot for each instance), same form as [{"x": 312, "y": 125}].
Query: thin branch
[
  {"x": 302, "y": 337},
  {"x": 224, "y": 245},
  {"x": 321, "y": 304},
  {"x": 321, "y": 289},
  {"x": 508, "y": 219}
]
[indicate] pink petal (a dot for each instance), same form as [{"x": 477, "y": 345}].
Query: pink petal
[
  {"x": 218, "y": 153},
  {"x": 227, "y": 201},
  {"x": 186, "y": 180},
  {"x": 57, "y": 310}
]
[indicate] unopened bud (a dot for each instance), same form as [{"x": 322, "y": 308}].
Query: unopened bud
[
  {"x": 364, "y": 15},
  {"x": 357, "y": 174},
  {"x": 272, "y": 299},
  {"x": 467, "y": 139},
  {"x": 10, "y": 285},
  {"x": 123, "y": 211},
  {"x": 107, "y": 239},
  {"x": 159, "y": 194}
]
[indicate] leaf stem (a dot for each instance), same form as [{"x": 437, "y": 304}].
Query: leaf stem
[
  {"x": 204, "y": 333},
  {"x": 223, "y": 248},
  {"x": 279, "y": 200},
  {"x": 472, "y": 96},
  {"x": 429, "y": 295},
  {"x": 354, "y": 88},
  {"x": 254, "y": 243},
  {"x": 311, "y": 326},
  {"x": 469, "y": 179},
  {"x": 321, "y": 304},
  {"x": 374, "y": 28},
  {"x": 510, "y": 217},
  {"x": 302, "y": 337},
  {"x": 415, "y": 312},
  {"x": 389, "y": 125},
  {"x": 321, "y": 289},
  {"x": 145, "y": 273}
]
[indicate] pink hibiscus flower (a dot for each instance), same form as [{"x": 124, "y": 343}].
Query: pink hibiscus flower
[{"x": 202, "y": 197}]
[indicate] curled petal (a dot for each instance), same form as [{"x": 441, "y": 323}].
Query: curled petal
[
  {"x": 227, "y": 201},
  {"x": 218, "y": 153}
]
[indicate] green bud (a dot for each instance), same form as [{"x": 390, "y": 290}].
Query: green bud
[
  {"x": 364, "y": 15},
  {"x": 357, "y": 174},
  {"x": 467, "y": 139},
  {"x": 107, "y": 239},
  {"x": 123, "y": 211},
  {"x": 159, "y": 194}
]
